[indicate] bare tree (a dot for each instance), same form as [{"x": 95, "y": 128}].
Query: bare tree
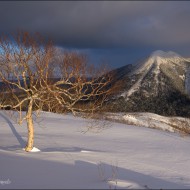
[
  {"x": 35, "y": 78},
  {"x": 24, "y": 73},
  {"x": 81, "y": 87}
]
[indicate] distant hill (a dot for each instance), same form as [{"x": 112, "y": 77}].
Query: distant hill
[{"x": 160, "y": 84}]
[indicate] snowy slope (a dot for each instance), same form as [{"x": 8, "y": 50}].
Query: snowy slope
[
  {"x": 120, "y": 156},
  {"x": 151, "y": 120}
]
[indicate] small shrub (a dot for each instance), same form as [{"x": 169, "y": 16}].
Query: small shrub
[{"x": 181, "y": 126}]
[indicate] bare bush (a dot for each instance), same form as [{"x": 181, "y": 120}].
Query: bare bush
[
  {"x": 112, "y": 176},
  {"x": 182, "y": 126}
]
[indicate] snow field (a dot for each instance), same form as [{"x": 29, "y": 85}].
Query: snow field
[{"x": 120, "y": 156}]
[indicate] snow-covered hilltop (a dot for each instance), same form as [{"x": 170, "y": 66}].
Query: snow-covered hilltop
[
  {"x": 166, "y": 55},
  {"x": 160, "y": 57}
]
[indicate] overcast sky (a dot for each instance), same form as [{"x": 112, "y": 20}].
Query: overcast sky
[{"x": 118, "y": 32}]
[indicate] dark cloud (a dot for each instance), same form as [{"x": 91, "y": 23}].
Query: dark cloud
[{"x": 123, "y": 27}]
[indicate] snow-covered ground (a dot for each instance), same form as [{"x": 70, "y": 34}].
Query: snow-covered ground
[{"x": 73, "y": 157}]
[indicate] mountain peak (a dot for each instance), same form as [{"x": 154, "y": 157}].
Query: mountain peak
[
  {"x": 158, "y": 53},
  {"x": 163, "y": 54}
]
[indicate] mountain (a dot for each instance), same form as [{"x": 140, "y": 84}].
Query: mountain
[{"x": 160, "y": 84}]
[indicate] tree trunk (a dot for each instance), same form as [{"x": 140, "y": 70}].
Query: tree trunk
[{"x": 30, "y": 126}]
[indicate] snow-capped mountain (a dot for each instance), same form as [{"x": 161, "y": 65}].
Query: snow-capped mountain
[
  {"x": 160, "y": 63},
  {"x": 159, "y": 82}
]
